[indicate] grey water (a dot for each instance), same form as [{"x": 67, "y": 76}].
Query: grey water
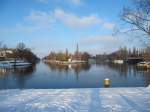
[{"x": 51, "y": 76}]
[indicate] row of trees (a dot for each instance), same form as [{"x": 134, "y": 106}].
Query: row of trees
[
  {"x": 60, "y": 56},
  {"x": 124, "y": 53}
]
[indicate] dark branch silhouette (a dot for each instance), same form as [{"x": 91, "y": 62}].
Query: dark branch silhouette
[{"x": 138, "y": 16}]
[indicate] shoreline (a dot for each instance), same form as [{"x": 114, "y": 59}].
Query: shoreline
[{"x": 65, "y": 62}]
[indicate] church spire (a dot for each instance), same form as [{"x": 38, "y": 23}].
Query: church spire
[{"x": 77, "y": 51}]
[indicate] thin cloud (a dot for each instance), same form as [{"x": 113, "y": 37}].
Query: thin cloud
[
  {"x": 19, "y": 28},
  {"x": 43, "y": 1},
  {"x": 76, "y": 2},
  {"x": 43, "y": 20},
  {"x": 108, "y": 25},
  {"x": 72, "y": 20},
  {"x": 72, "y": 2},
  {"x": 101, "y": 43},
  {"x": 101, "y": 39},
  {"x": 40, "y": 18},
  {"x": 75, "y": 21}
]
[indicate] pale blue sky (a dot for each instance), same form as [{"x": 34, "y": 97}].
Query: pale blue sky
[{"x": 46, "y": 25}]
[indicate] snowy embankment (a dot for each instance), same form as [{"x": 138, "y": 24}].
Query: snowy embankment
[{"x": 76, "y": 100}]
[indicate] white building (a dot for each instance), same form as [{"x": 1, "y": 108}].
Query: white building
[
  {"x": 4, "y": 52},
  {"x": 118, "y": 61}
]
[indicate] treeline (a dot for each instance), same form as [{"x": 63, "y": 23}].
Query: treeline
[
  {"x": 124, "y": 53},
  {"x": 20, "y": 52},
  {"x": 60, "y": 56}
]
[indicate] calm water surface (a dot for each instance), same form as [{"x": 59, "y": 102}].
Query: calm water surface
[{"x": 73, "y": 76}]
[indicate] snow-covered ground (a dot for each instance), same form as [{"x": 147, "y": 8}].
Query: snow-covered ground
[{"x": 76, "y": 100}]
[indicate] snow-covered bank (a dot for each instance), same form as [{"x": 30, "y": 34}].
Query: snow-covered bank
[{"x": 76, "y": 100}]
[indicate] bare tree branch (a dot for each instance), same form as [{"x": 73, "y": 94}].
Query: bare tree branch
[{"x": 138, "y": 16}]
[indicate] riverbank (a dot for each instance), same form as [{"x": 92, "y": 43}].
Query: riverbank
[
  {"x": 65, "y": 62},
  {"x": 76, "y": 100}
]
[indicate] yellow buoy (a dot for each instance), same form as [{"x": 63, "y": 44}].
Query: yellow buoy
[{"x": 106, "y": 82}]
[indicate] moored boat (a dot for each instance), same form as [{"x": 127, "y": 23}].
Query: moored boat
[
  {"x": 19, "y": 63},
  {"x": 5, "y": 64},
  {"x": 143, "y": 65},
  {"x": 14, "y": 63}
]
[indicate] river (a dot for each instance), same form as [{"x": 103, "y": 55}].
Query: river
[{"x": 44, "y": 76}]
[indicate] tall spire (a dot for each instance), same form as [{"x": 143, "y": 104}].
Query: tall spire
[
  {"x": 77, "y": 49},
  {"x": 66, "y": 52}
]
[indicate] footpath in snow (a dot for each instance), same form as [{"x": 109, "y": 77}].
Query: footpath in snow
[{"x": 76, "y": 100}]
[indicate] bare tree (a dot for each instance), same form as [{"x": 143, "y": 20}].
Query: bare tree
[
  {"x": 21, "y": 46},
  {"x": 138, "y": 16},
  {"x": 4, "y": 48},
  {"x": 1, "y": 43}
]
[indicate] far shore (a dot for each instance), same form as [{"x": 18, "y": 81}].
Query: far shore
[{"x": 65, "y": 62}]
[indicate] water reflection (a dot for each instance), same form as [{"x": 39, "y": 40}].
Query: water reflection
[
  {"x": 3, "y": 71},
  {"x": 46, "y": 75},
  {"x": 122, "y": 69},
  {"x": 15, "y": 75},
  {"x": 77, "y": 68},
  {"x": 66, "y": 67},
  {"x": 28, "y": 70},
  {"x": 23, "y": 70},
  {"x": 128, "y": 71}
]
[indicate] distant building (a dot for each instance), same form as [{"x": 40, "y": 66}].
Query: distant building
[
  {"x": 118, "y": 61},
  {"x": 3, "y": 52}
]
